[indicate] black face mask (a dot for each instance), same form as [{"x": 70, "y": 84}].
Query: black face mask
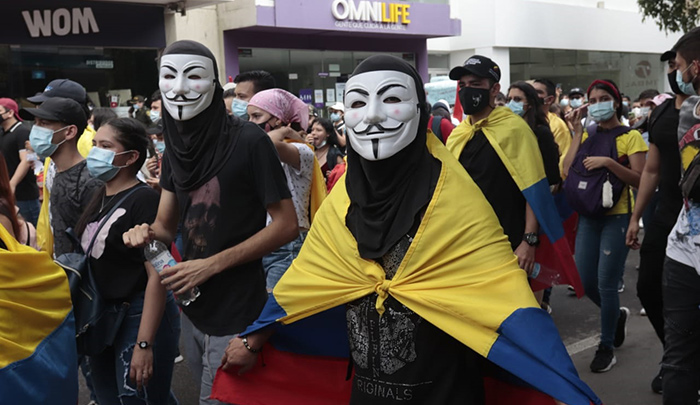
[
  {"x": 265, "y": 126},
  {"x": 672, "y": 81},
  {"x": 473, "y": 99}
]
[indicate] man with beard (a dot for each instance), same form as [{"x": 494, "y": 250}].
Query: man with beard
[
  {"x": 220, "y": 177},
  {"x": 428, "y": 280}
]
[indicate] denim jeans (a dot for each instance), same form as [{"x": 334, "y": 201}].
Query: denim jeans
[
  {"x": 277, "y": 262},
  {"x": 681, "y": 362},
  {"x": 110, "y": 369},
  {"x": 29, "y": 210},
  {"x": 600, "y": 257}
]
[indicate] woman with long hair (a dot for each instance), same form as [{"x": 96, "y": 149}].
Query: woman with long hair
[
  {"x": 523, "y": 100},
  {"x": 600, "y": 242},
  {"x": 326, "y": 152},
  {"x": 8, "y": 213},
  {"x": 138, "y": 368}
]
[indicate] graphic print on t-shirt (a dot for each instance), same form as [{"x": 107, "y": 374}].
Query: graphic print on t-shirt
[
  {"x": 99, "y": 246},
  {"x": 200, "y": 221}
]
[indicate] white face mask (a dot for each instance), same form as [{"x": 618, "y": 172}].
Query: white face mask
[
  {"x": 187, "y": 85},
  {"x": 381, "y": 113}
]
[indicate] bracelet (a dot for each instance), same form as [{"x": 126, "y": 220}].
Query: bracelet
[{"x": 247, "y": 346}]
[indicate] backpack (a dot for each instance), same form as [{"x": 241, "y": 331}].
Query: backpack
[
  {"x": 584, "y": 188},
  {"x": 97, "y": 321}
]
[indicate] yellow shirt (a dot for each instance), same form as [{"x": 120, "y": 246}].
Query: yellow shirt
[
  {"x": 627, "y": 145},
  {"x": 562, "y": 136},
  {"x": 85, "y": 141}
]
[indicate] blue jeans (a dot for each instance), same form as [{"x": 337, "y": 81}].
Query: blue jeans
[
  {"x": 681, "y": 362},
  {"x": 110, "y": 369},
  {"x": 600, "y": 257},
  {"x": 29, "y": 210},
  {"x": 277, "y": 262}
]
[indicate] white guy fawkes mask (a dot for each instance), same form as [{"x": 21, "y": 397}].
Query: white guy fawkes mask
[
  {"x": 187, "y": 84},
  {"x": 381, "y": 113}
]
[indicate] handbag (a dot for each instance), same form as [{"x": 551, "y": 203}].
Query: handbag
[{"x": 97, "y": 320}]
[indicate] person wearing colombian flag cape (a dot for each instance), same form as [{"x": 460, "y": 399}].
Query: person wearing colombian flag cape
[{"x": 412, "y": 249}]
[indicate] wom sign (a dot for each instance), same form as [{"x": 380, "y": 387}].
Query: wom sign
[{"x": 60, "y": 22}]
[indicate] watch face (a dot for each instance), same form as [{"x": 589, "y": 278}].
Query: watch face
[{"x": 143, "y": 345}]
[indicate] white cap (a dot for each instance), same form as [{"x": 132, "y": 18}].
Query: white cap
[
  {"x": 338, "y": 106},
  {"x": 229, "y": 86}
]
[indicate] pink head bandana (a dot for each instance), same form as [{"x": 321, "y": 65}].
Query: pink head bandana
[{"x": 283, "y": 105}]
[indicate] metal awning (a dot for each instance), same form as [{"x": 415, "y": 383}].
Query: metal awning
[{"x": 173, "y": 5}]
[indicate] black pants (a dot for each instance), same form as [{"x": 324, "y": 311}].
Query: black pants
[
  {"x": 681, "y": 362},
  {"x": 651, "y": 265}
]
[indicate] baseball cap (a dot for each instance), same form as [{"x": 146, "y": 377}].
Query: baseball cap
[
  {"x": 229, "y": 86},
  {"x": 338, "y": 106},
  {"x": 10, "y": 104},
  {"x": 57, "y": 109},
  {"x": 668, "y": 55},
  {"x": 138, "y": 99},
  {"x": 576, "y": 90},
  {"x": 61, "y": 88},
  {"x": 479, "y": 66}
]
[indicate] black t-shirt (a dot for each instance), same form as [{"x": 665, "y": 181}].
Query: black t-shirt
[
  {"x": 489, "y": 173},
  {"x": 550, "y": 153},
  {"x": 222, "y": 213},
  {"x": 400, "y": 358},
  {"x": 11, "y": 142},
  {"x": 119, "y": 271},
  {"x": 71, "y": 193},
  {"x": 663, "y": 133}
]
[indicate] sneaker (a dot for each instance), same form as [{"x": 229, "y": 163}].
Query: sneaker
[
  {"x": 604, "y": 360},
  {"x": 621, "y": 331},
  {"x": 621, "y": 287},
  {"x": 571, "y": 290},
  {"x": 643, "y": 312},
  {"x": 546, "y": 307},
  {"x": 179, "y": 359},
  {"x": 657, "y": 383}
]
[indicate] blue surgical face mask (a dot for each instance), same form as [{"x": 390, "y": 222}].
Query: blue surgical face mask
[
  {"x": 517, "y": 107},
  {"x": 154, "y": 115},
  {"x": 564, "y": 102},
  {"x": 99, "y": 163},
  {"x": 136, "y": 106},
  {"x": 685, "y": 88},
  {"x": 626, "y": 103},
  {"x": 40, "y": 138},
  {"x": 335, "y": 117},
  {"x": 239, "y": 107},
  {"x": 576, "y": 102},
  {"x": 602, "y": 111},
  {"x": 160, "y": 146}
]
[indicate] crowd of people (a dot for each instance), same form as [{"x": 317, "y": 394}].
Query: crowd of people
[{"x": 440, "y": 230}]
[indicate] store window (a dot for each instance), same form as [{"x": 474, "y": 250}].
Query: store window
[
  {"x": 26, "y": 70},
  {"x": 632, "y": 72},
  {"x": 318, "y": 77}
]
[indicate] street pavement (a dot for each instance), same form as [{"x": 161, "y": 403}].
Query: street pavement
[{"x": 628, "y": 383}]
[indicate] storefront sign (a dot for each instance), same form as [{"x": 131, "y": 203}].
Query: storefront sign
[
  {"x": 82, "y": 23},
  {"x": 318, "y": 98},
  {"x": 391, "y": 17},
  {"x": 306, "y": 95},
  {"x": 371, "y": 11}
]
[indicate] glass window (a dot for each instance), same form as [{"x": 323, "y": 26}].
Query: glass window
[
  {"x": 632, "y": 72},
  {"x": 26, "y": 70}
]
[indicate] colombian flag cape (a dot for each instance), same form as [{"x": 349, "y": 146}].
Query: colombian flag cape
[
  {"x": 516, "y": 145},
  {"x": 38, "y": 359},
  {"x": 459, "y": 274}
]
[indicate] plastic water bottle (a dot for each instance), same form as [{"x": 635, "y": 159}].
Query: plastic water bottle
[
  {"x": 535, "y": 271},
  {"x": 158, "y": 254}
]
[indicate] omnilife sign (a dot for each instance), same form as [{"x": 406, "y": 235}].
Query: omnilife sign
[{"x": 364, "y": 11}]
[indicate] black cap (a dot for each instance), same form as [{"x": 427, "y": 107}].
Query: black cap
[
  {"x": 576, "y": 90},
  {"x": 57, "y": 109},
  {"x": 477, "y": 65},
  {"x": 61, "y": 88},
  {"x": 155, "y": 129},
  {"x": 668, "y": 55}
]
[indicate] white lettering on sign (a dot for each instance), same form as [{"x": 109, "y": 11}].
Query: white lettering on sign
[
  {"x": 371, "y": 11},
  {"x": 60, "y": 22}
]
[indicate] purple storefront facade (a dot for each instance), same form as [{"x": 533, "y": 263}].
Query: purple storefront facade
[{"x": 345, "y": 26}]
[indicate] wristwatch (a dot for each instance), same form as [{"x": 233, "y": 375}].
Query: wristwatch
[
  {"x": 144, "y": 344},
  {"x": 531, "y": 239}
]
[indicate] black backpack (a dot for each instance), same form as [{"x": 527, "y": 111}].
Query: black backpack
[{"x": 584, "y": 188}]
